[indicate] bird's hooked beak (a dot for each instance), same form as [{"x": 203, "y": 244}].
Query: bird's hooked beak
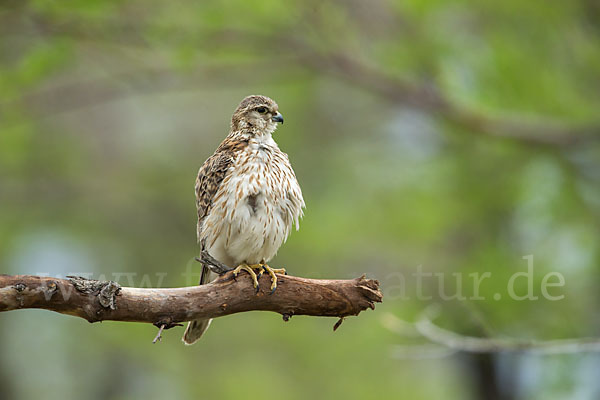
[{"x": 277, "y": 118}]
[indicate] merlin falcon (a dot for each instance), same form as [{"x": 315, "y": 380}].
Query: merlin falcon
[{"x": 247, "y": 197}]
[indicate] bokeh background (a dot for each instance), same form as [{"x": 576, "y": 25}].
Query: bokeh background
[{"x": 450, "y": 136}]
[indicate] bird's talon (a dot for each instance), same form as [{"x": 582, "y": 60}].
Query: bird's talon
[
  {"x": 272, "y": 273},
  {"x": 248, "y": 269}
]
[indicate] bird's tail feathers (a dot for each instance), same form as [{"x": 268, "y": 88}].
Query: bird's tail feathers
[{"x": 195, "y": 329}]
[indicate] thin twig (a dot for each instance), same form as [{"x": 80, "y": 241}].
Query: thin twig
[{"x": 158, "y": 337}]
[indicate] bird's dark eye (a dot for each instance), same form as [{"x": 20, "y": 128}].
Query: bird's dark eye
[{"x": 261, "y": 110}]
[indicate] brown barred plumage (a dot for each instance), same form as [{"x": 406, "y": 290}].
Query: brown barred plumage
[{"x": 247, "y": 195}]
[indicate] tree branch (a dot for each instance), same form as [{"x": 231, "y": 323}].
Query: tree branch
[
  {"x": 543, "y": 132},
  {"x": 446, "y": 342},
  {"x": 429, "y": 98},
  {"x": 107, "y": 301}
]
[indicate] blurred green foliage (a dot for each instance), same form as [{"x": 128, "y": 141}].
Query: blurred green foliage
[{"x": 456, "y": 137}]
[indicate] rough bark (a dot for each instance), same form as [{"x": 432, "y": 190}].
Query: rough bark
[{"x": 106, "y": 300}]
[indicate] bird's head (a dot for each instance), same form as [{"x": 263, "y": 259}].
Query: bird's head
[{"x": 257, "y": 114}]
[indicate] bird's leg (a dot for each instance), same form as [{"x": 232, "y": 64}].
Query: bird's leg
[
  {"x": 272, "y": 272},
  {"x": 248, "y": 269}
]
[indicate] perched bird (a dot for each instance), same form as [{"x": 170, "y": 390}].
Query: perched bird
[{"x": 247, "y": 197}]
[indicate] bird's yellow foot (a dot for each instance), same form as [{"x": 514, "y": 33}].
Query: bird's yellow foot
[
  {"x": 272, "y": 272},
  {"x": 249, "y": 269}
]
